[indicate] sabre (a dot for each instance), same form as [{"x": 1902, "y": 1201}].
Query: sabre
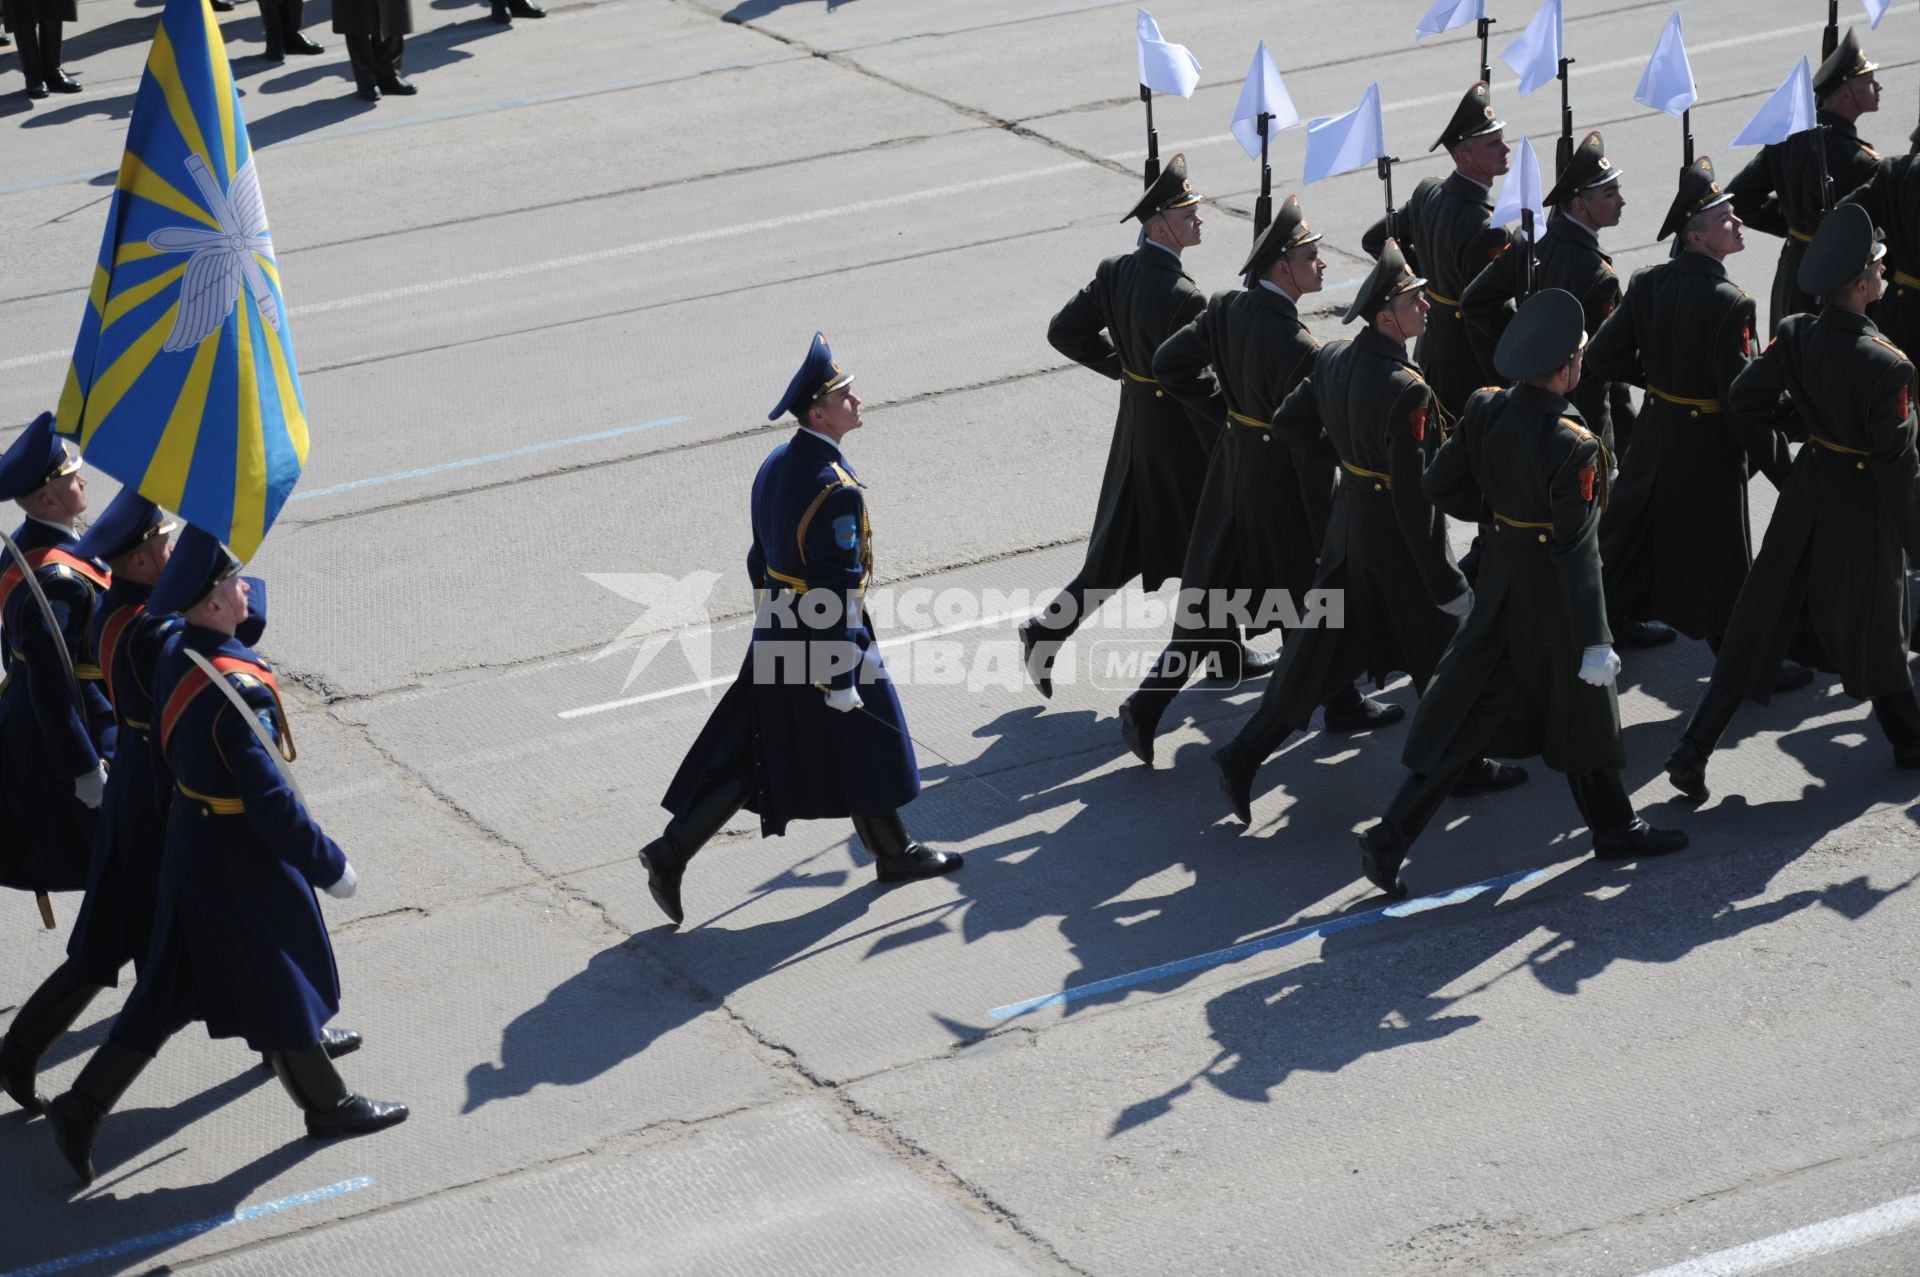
[
  {"x": 66, "y": 668},
  {"x": 252, "y": 720},
  {"x": 968, "y": 772}
]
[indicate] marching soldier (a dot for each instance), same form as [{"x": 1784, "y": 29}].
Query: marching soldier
[
  {"x": 811, "y": 728},
  {"x": 1263, "y": 509},
  {"x": 1830, "y": 583},
  {"x": 1532, "y": 670},
  {"x": 1780, "y": 190},
  {"x": 1157, "y": 461},
  {"x": 37, "y": 24},
  {"x": 1892, "y": 198},
  {"x": 1675, "y": 536},
  {"x": 238, "y": 939},
  {"x": 116, "y": 919},
  {"x": 56, "y": 727},
  {"x": 1367, "y": 409},
  {"x": 1444, "y": 229}
]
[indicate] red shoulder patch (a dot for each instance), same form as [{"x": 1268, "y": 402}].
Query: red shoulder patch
[
  {"x": 1419, "y": 419},
  {"x": 1746, "y": 339},
  {"x": 1905, "y": 403},
  {"x": 1586, "y": 483}
]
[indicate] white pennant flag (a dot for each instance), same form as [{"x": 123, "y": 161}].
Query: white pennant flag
[
  {"x": 1535, "y": 56},
  {"x": 1448, "y": 14},
  {"x": 1164, "y": 67},
  {"x": 1790, "y": 110},
  {"x": 1520, "y": 190},
  {"x": 1263, "y": 93},
  {"x": 1876, "y": 10},
  {"x": 1667, "y": 84},
  {"x": 1342, "y": 143}
]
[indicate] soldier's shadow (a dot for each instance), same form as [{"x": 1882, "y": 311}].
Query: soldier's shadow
[
  {"x": 109, "y": 108},
  {"x": 748, "y": 10}
]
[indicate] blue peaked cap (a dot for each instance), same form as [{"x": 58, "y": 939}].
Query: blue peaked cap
[
  {"x": 36, "y": 458},
  {"x": 818, "y": 375},
  {"x": 199, "y": 563},
  {"x": 129, "y": 521}
]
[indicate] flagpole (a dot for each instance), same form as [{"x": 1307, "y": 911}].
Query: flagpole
[
  {"x": 1263, "y": 207},
  {"x": 1153, "y": 139},
  {"x": 1686, "y": 137},
  {"x": 1830, "y": 38},
  {"x": 1485, "y": 26},
  {"x": 1563, "y": 150}
]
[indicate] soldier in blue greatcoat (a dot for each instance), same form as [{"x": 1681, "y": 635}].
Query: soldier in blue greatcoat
[
  {"x": 238, "y": 939},
  {"x": 812, "y": 727},
  {"x": 56, "y": 730}
]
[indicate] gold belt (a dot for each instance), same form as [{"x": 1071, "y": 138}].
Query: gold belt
[
  {"x": 1444, "y": 301},
  {"x": 1137, "y": 377},
  {"x": 1704, "y": 405},
  {"x": 88, "y": 673},
  {"x": 1802, "y": 236},
  {"x": 224, "y": 806},
  {"x": 1245, "y": 420},
  {"x": 1520, "y": 523},
  {"x": 1901, "y": 277},
  {"x": 1385, "y": 480}
]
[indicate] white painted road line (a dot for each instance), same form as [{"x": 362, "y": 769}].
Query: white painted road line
[{"x": 1823, "y": 1238}]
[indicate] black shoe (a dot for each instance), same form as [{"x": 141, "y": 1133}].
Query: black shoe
[
  {"x": 1792, "y": 677},
  {"x": 500, "y": 13},
  {"x": 74, "y": 1118},
  {"x": 36, "y": 90},
  {"x": 367, "y": 93},
  {"x": 1240, "y": 663},
  {"x": 273, "y": 54},
  {"x": 1040, "y": 672},
  {"x": 1381, "y": 856},
  {"x": 1237, "y": 767},
  {"x": 665, "y": 866},
  {"x": 74, "y": 1124},
  {"x": 525, "y": 9},
  {"x": 1361, "y": 715},
  {"x": 1138, "y": 729},
  {"x": 18, "y": 1076},
  {"x": 1636, "y": 841},
  {"x": 335, "y": 1042},
  {"x": 397, "y": 87},
  {"x": 355, "y": 1115},
  {"x": 221, "y": 6},
  {"x": 1687, "y": 769},
  {"x": 1644, "y": 634},
  {"x": 1488, "y": 777},
  {"x": 60, "y": 82},
  {"x": 916, "y": 862},
  {"x": 298, "y": 43}
]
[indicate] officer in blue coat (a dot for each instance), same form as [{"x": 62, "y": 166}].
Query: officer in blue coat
[
  {"x": 811, "y": 727},
  {"x": 116, "y": 919},
  {"x": 238, "y": 940},
  {"x": 56, "y": 732}
]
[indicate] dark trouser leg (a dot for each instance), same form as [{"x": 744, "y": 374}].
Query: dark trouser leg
[
  {"x": 896, "y": 856},
  {"x": 366, "y": 70},
  {"x": 293, "y": 16},
  {"x": 666, "y": 857},
  {"x": 29, "y": 50},
  {"x": 50, "y": 1012},
  {"x": 1899, "y": 717},
  {"x": 270, "y": 34},
  {"x": 391, "y": 52},
  {"x": 331, "y": 1109},
  {"x": 1075, "y": 602},
  {"x": 1618, "y": 834},
  {"x": 1178, "y": 661},
  {"x": 74, "y": 1118},
  {"x": 1687, "y": 765}
]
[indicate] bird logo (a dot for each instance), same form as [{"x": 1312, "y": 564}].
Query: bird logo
[{"x": 221, "y": 261}]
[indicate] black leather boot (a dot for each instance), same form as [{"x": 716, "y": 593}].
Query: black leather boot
[
  {"x": 1636, "y": 841},
  {"x": 525, "y": 9},
  {"x": 1038, "y": 662},
  {"x": 500, "y": 13},
  {"x": 1348, "y": 711},
  {"x": 1140, "y": 722},
  {"x": 1687, "y": 765},
  {"x": 1255, "y": 663},
  {"x": 74, "y": 1118},
  {"x": 1485, "y": 776},
  {"x": 1643, "y": 634},
  {"x": 1237, "y": 767},
  {"x": 332, "y": 1110},
  {"x": 335, "y": 1042},
  {"x": 896, "y": 857},
  {"x": 51, "y": 1011},
  {"x": 1384, "y": 845},
  {"x": 666, "y": 857}
]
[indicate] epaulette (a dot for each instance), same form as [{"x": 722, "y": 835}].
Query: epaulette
[
  {"x": 1871, "y": 153},
  {"x": 1890, "y": 346},
  {"x": 1576, "y": 427}
]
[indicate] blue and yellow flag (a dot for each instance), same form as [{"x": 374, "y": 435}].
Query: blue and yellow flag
[{"x": 183, "y": 383}]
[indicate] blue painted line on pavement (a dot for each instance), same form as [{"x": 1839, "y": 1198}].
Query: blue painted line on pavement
[
  {"x": 1280, "y": 940},
  {"x": 168, "y": 1236},
  {"x": 468, "y": 462}
]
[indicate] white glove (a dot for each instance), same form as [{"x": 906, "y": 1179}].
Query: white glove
[
  {"x": 1460, "y": 606},
  {"x": 91, "y": 787},
  {"x": 348, "y": 884},
  {"x": 1599, "y": 666},
  {"x": 844, "y": 699},
  {"x": 1613, "y": 475}
]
